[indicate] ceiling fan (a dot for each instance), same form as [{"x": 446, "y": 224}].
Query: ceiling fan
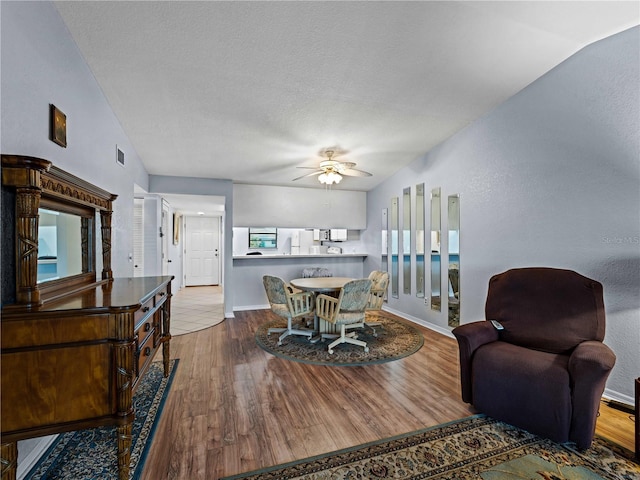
[{"x": 331, "y": 171}]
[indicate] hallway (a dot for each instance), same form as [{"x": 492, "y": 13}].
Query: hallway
[{"x": 196, "y": 308}]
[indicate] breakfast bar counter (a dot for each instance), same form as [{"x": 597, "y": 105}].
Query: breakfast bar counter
[{"x": 248, "y": 270}]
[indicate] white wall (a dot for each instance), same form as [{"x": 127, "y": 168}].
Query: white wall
[
  {"x": 549, "y": 178},
  {"x": 268, "y": 206},
  {"x": 175, "y": 252},
  {"x": 40, "y": 64}
]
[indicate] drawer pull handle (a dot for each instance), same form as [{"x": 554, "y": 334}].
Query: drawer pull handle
[
  {"x": 145, "y": 309},
  {"x": 147, "y": 351},
  {"x": 147, "y": 327}
]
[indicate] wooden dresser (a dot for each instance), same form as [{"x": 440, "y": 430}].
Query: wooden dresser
[{"x": 73, "y": 349}]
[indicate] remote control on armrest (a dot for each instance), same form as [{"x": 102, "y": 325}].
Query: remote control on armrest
[{"x": 497, "y": 325}]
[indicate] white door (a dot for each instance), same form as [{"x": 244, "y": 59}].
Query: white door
[
  {"x": 165, "y": 239},
  {"x": 138, "y": 237},
  {"x": 202, "y": 251}
]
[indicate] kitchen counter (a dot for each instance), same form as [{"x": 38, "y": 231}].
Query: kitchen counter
[{"x": 281, "y": 256}]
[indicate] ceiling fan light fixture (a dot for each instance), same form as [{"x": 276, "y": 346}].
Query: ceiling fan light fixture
[
  {"x": 332, "y": 171},
  {"x": 329, "y": 178}
]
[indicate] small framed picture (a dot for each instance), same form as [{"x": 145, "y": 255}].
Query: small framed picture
[{"x": 58, "y": 126}]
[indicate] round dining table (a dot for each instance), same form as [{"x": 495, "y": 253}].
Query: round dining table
[
  {"x": 327, "y": 285},
  {"x": 320, "y": 284}
]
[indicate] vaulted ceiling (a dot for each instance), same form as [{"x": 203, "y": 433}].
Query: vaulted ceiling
[{"x": 249, "y": 91}]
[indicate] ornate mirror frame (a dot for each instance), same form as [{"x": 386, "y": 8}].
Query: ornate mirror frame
[{"x": 39, "y": 184}]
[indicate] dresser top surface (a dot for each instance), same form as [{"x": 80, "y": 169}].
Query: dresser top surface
[{"x": 112, "y": 295}]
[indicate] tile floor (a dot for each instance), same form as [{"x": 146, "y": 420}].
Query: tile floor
[{"x": 196, "y": 308}]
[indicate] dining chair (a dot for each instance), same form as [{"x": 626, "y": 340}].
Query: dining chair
[
  {"x": 316, "y": 272},
  {"x": 288, "y": 305},
  {"x": 347, "y": 311},
  {"x": 379, "y": 285}
]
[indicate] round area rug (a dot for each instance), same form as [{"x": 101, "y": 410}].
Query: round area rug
[{"x": 396, "y": 339}]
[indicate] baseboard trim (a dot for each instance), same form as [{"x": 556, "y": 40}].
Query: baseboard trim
[
  {"x": 618, "y": 397},
  {"x": 251, "y": 307},
  {"x": 436, "y": 328},
  {"x": 28, "y": 461}
]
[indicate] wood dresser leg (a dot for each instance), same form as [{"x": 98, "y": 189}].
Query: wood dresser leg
[
  {"x": 9, "y": 460},
  {"x": 166, "y": 357},
  {"x": 637, "y": 422},
  {"x": 166, "y": 333},
  {"x": 124, "y": 451}
]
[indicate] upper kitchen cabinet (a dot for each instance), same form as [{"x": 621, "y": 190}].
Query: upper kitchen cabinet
[{"x": 290, "y": 207}]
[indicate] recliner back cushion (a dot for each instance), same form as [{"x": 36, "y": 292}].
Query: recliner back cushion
[{"x": 546, "y": 309}]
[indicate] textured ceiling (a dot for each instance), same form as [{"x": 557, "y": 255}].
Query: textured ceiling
[{"x": 249, "y": 91}]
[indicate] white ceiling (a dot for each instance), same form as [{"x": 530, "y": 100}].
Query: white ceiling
[{"x": 249, "y": 91}]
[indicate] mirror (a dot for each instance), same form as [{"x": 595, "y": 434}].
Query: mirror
[
  {"x": 420, "y": 240},
  {"x": 59, "y": 245},
  {"x": 406, "y": 240},
  {"x": 453, "y": 219},
  {"x": 394, "y": 247},
  {"x": 385, "y": 248},
  {"x": 435, "y": 249}
]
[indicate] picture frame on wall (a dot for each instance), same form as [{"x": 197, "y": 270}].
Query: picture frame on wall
[
  {"x": 58, "y": 126},
  {"x": 176, "y": 228}
]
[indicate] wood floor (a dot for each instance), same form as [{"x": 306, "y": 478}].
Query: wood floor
[{"x": 233, "y": 407}]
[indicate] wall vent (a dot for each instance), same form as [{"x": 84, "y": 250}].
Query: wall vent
[{"x": 119, "y": 156}]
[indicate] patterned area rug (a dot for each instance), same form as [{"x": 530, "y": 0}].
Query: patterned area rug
[
  {"x": 477, "y": 447},
  {"x": 92, "y": 454},
  {"x": 396, "y": 339}
]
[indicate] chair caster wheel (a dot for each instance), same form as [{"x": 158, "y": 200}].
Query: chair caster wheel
[
  {"x": 330, "y": 352},
  {"x": 366, "y": 349},
  {"x": 279, "y": 343}
]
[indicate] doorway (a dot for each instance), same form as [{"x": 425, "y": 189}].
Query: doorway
[
  {"x": 138, "y": 237},
  {"x": 202, "y": 251},
  {"x": 164, "y": 234}
]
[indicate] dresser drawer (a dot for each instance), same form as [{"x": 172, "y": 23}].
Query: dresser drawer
[
  {"x": 161, "y": 296},
  {"x": 146, "y": 308},
  {"x": 144, "y": 355},
  {"x": 145, "y": 330}
]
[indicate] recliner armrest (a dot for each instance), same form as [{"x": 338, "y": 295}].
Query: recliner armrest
[
  {"x": 590, "y": 360},
  {"x": 470, "y": 337},
  {"x": 589, "y": 366}
]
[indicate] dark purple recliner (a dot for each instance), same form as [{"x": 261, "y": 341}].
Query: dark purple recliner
[{"x": 546, "y": 371}]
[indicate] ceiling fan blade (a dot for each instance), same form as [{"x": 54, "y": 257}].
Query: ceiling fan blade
[
  {"x": 354, "y": 172},
  {"x": 308, "y": 175},
  {"x": 309, "y": 168}
]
